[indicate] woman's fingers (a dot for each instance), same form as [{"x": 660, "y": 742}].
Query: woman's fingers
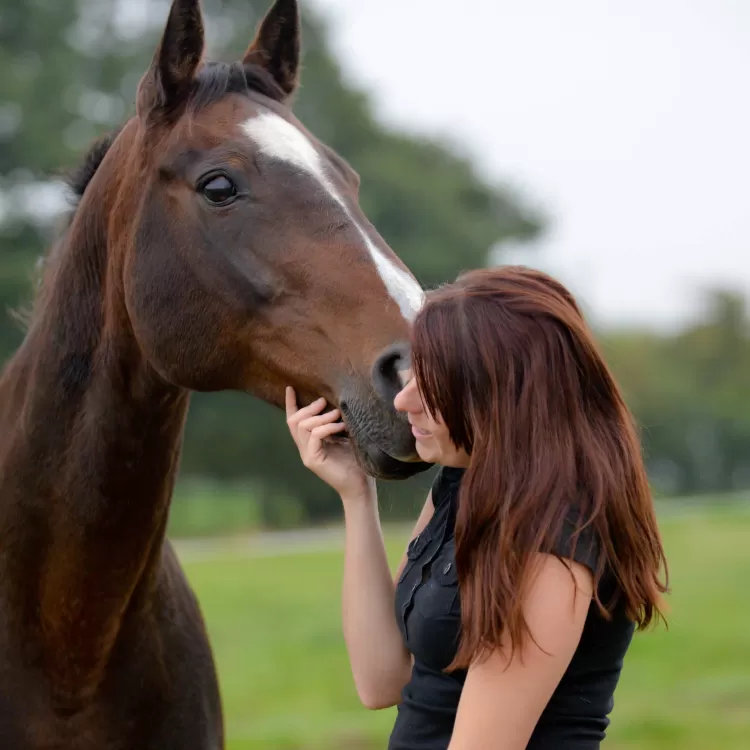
[
  {"x": 294, "y": 415},
  {"x": 308, "y": 427},
  {"x": 311, "y": 423},
  {"x": 308, "y": 411},
  {"x": 317, "y": 435},
  {"x": 326, "y": 430},
  {"x": 290, "y": 397}
]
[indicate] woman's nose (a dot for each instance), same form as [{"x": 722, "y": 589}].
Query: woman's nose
[{"x": 407, "y": 399}]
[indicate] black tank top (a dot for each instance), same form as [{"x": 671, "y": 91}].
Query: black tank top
[{"x": 428, "y": 611}]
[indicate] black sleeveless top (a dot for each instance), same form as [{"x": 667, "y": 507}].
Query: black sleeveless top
[{"x": 428, "y": 611}]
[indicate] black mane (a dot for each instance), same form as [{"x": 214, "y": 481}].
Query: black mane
[
  {"x": 79, "y": 178},
  {"x": 214, "y": 81}
]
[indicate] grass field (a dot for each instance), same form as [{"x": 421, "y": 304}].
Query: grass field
[{"x": 275, "y": 627}]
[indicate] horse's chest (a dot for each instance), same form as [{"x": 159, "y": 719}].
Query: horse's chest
[
  {"x": 159, "y": 693},
  {"x": 144, "y": 720}
]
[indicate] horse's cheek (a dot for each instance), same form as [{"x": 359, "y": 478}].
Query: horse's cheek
[{"x": 168, "y": 315}]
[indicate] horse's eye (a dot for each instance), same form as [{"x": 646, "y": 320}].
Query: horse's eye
[{"x": 219, "y": 190}]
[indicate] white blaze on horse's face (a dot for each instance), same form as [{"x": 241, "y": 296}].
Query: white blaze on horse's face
[{"x": 279, "y": 139}]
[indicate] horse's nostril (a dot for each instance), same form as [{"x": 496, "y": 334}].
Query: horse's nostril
[{"x": 387, "y": 372}]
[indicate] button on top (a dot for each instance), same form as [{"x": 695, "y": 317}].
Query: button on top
[{"x": 447, "y": 568}]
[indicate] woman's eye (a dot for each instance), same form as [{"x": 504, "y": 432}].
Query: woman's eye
[{"x": 219, "y": 190}]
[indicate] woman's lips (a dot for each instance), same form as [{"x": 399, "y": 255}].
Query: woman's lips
[{"x": 419, "y": 433}]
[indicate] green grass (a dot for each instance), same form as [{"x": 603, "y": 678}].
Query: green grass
[
  {"x": 275, "y": 627},
  {"x": 208, "y": 509}
]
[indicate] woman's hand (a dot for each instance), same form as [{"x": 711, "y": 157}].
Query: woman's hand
[{"x": 334, "y": 463}]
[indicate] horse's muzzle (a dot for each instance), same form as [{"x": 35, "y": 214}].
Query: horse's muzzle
[{"x": 380, "y": 436}]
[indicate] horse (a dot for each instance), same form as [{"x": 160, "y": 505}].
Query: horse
[{"x": 214, "y": 244}]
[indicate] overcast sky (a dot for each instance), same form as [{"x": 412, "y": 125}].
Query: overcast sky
[{"x": 628, "y": 121}]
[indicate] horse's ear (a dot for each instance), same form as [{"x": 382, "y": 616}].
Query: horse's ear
[
  {"x": 168, "y": 81},
  {"x": 276, "y": 46}
]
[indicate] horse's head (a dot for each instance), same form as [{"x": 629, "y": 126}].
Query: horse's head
[{"x": 246, "y": 261}]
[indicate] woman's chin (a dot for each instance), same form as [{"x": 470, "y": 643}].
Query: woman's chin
[{"x": 427, "y": 452}]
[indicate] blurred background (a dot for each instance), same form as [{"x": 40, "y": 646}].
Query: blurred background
[{"x": 603, "y": 142}]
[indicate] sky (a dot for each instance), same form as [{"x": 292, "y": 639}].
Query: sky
[{"x": 628, "y": 123}]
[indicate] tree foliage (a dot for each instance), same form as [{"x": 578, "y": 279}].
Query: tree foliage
[{"x": 690, "y": 395}]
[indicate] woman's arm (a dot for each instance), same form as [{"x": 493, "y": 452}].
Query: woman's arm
[
  {"x": 502, "y": 700},
  {"x": 380, "y": 663}
]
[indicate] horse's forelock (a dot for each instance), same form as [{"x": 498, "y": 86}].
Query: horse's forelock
[{"x": 217, "y": 79}]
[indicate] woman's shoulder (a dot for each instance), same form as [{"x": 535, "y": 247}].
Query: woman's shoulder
[{"x": 578, "y": 539}]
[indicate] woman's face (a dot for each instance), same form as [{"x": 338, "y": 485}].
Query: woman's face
[{"x": 434, "y": 444}]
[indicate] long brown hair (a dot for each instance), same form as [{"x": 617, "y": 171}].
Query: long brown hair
[{"x": 506, "y": 359}]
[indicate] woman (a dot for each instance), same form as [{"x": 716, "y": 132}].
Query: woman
[{"x": 537, "y": 552}]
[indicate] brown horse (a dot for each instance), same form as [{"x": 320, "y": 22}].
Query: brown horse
[{"x": 216, "y": 244}]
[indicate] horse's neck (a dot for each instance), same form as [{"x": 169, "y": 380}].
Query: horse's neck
[{"x": 88, "y": 454}]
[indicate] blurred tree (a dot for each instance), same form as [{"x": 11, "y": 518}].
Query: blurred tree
[
  {"x": 72, "y": 67},
  {"x": 689, "y": 392},
  {"x": 69, "y": 75}
]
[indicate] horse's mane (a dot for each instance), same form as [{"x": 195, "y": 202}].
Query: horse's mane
[
  {"x": 79, "y": 178},
  {"x": 214, "y": 81}
]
